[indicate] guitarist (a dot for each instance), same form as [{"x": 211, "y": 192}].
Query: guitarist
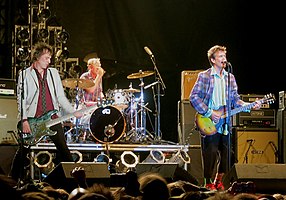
[
  {"x": 214, "y": 91},
  {"x": 40, "y": 90}
]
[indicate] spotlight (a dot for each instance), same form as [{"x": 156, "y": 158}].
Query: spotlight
[
  {"x": 23, "y": 35},
  {"x": 44, "y": 161},
  {"x": 155, "y": 156},
  {"x": 44, "y": 14},
  {"x": 102, "y": 158},
  {"x": 43, "y": 34},
  {"x": 62, "y": 55},
  {"x": 180, "y": 157},
  {"x": 77, "y": 156},
  {"x": 128, "y": 160},
  {"x": 63, "y": 36},
  {"x": 22, "y": 53}
]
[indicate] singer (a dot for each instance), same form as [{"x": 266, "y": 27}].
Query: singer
[{"x": 210, "y": 93}]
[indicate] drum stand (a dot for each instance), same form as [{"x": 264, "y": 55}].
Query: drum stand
[{"x": 139, "y": 132}]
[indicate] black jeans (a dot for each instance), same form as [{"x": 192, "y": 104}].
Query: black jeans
[{"x": 21, "y": 161}]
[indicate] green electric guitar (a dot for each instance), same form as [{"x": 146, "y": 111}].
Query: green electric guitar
[
  {"x": 208, "y": 127},
  {"x": 40, "y": 126}
]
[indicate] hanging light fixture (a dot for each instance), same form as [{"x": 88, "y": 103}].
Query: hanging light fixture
[
  {"x": 43, "y": 34},
  {"x": 62, "y": 55},
  {"x": 22, "y": 53},
  {"x": 23, "y": 34},
  {"x": 63, "y": 36},
  {"x": 44, "y": 14}
]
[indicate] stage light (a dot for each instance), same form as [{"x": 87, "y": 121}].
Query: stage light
[
  {"x": 22, "y": 53},
  {"x": 180, "y": 157},
  {"x": 23, "y": 34},
  {"x": 77, "y": 156},
  {"x": 155, "y": 156},
  {"x": 128, "y": 160},
  {"x": 102, "y": 158},
  {"x": 62, "y": 55},
  {"x": 63, "y": 36},
  {"x": 44, "y": 161},
  {"x": 44, "y": 14},
  {"x": 43, "y": 34}
]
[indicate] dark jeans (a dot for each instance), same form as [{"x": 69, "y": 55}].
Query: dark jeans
[{"x": 21, "y": 162}]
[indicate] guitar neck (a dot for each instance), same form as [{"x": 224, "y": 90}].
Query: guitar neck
[
  {"x": 68, "y": 116},
  {"x": 238, "y": 110}
]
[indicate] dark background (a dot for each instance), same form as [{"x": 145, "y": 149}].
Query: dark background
[{"x": 179, "y": 33}]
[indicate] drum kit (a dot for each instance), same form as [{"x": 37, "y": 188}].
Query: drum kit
[{"x": 120, "y": 116}]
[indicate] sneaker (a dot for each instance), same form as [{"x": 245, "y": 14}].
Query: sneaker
[
  {"x": 219, "y": 186},
  {"x": 210, "y": 186}
]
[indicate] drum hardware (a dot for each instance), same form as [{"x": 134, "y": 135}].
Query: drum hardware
[{"x": 138, "y": 133}]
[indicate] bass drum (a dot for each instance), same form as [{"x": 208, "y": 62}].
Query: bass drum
[{"x": 107, "y": 124}]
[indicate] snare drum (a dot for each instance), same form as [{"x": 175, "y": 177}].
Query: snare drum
[{"x": 107, "y": 124}]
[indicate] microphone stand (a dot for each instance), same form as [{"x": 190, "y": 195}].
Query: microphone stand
[
  {"x": 229, "y": 117},
  {"x": 21, "y": 145},
  {"x": 158, "y": 78}
]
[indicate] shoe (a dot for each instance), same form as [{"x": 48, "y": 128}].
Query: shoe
[
  {"x": 210, "y": 186},
  {"x": 219, "y": 186}
]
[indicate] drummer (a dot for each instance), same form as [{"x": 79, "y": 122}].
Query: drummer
[{"x": 95, "y": 73}]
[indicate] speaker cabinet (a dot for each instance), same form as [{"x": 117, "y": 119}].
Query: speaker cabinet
[
  {"x": 281, "y": 125},
  {"x": 188, "y": 79},
  {"x": 8, "y": 119},
  {"x": 60, "y": 176},
  {"x": 187, "y": 133},
  {"x": 268, "y": 178},
  {"x": 256, "y": 145}
]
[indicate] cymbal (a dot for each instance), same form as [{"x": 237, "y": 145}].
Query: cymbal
[
  {"x": 76, "y": 82},
  {"x": 132, "y": 90},
  {"x": 89, "y": 56},
  {"x": 140, "y": 74}
]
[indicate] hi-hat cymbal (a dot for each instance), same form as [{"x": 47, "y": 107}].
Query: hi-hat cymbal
[
  {"x": 132, "y": 90},
  {"x": 76, "y": 82},
  {"x": 140, "y": 74}
]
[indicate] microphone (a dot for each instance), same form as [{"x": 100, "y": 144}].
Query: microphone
[
  {"x": 225, "y": 62},
  {"x": 148, "y": 51}
]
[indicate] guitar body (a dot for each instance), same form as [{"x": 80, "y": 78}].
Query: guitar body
[
  {"x": 205, "y": 124},
  {"x": 38, "y": 129}
]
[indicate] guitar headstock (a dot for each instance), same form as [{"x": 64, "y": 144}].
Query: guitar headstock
[{"x": 269, "y": 98}]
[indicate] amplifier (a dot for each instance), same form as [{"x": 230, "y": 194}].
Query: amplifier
[
  {"x": 7, "y": 86},
  {"x": 282, "y": 99},
  {"x": 188, "y": 79},
  {"x": 252, "y": 97},
  {"x": 256, "y": 118}
]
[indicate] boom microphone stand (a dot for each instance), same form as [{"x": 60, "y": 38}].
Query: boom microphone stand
[{"x": 159, "y": 82}]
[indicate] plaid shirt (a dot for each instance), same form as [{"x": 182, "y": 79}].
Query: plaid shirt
[
  {"x": 202, "y": 92},
  {"x": 97, "y": 92}
]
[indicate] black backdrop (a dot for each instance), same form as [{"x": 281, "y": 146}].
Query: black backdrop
[{"x": 179, "y": 33}]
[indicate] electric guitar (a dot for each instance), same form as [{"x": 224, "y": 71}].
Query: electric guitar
[
  {"x": 40, "y": 126},
  {"x": 208, "y": 127}
]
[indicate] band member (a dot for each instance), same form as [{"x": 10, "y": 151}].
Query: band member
[
  {"x": 214, "y": 89},
  {"x": 39, "y": 93}
]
